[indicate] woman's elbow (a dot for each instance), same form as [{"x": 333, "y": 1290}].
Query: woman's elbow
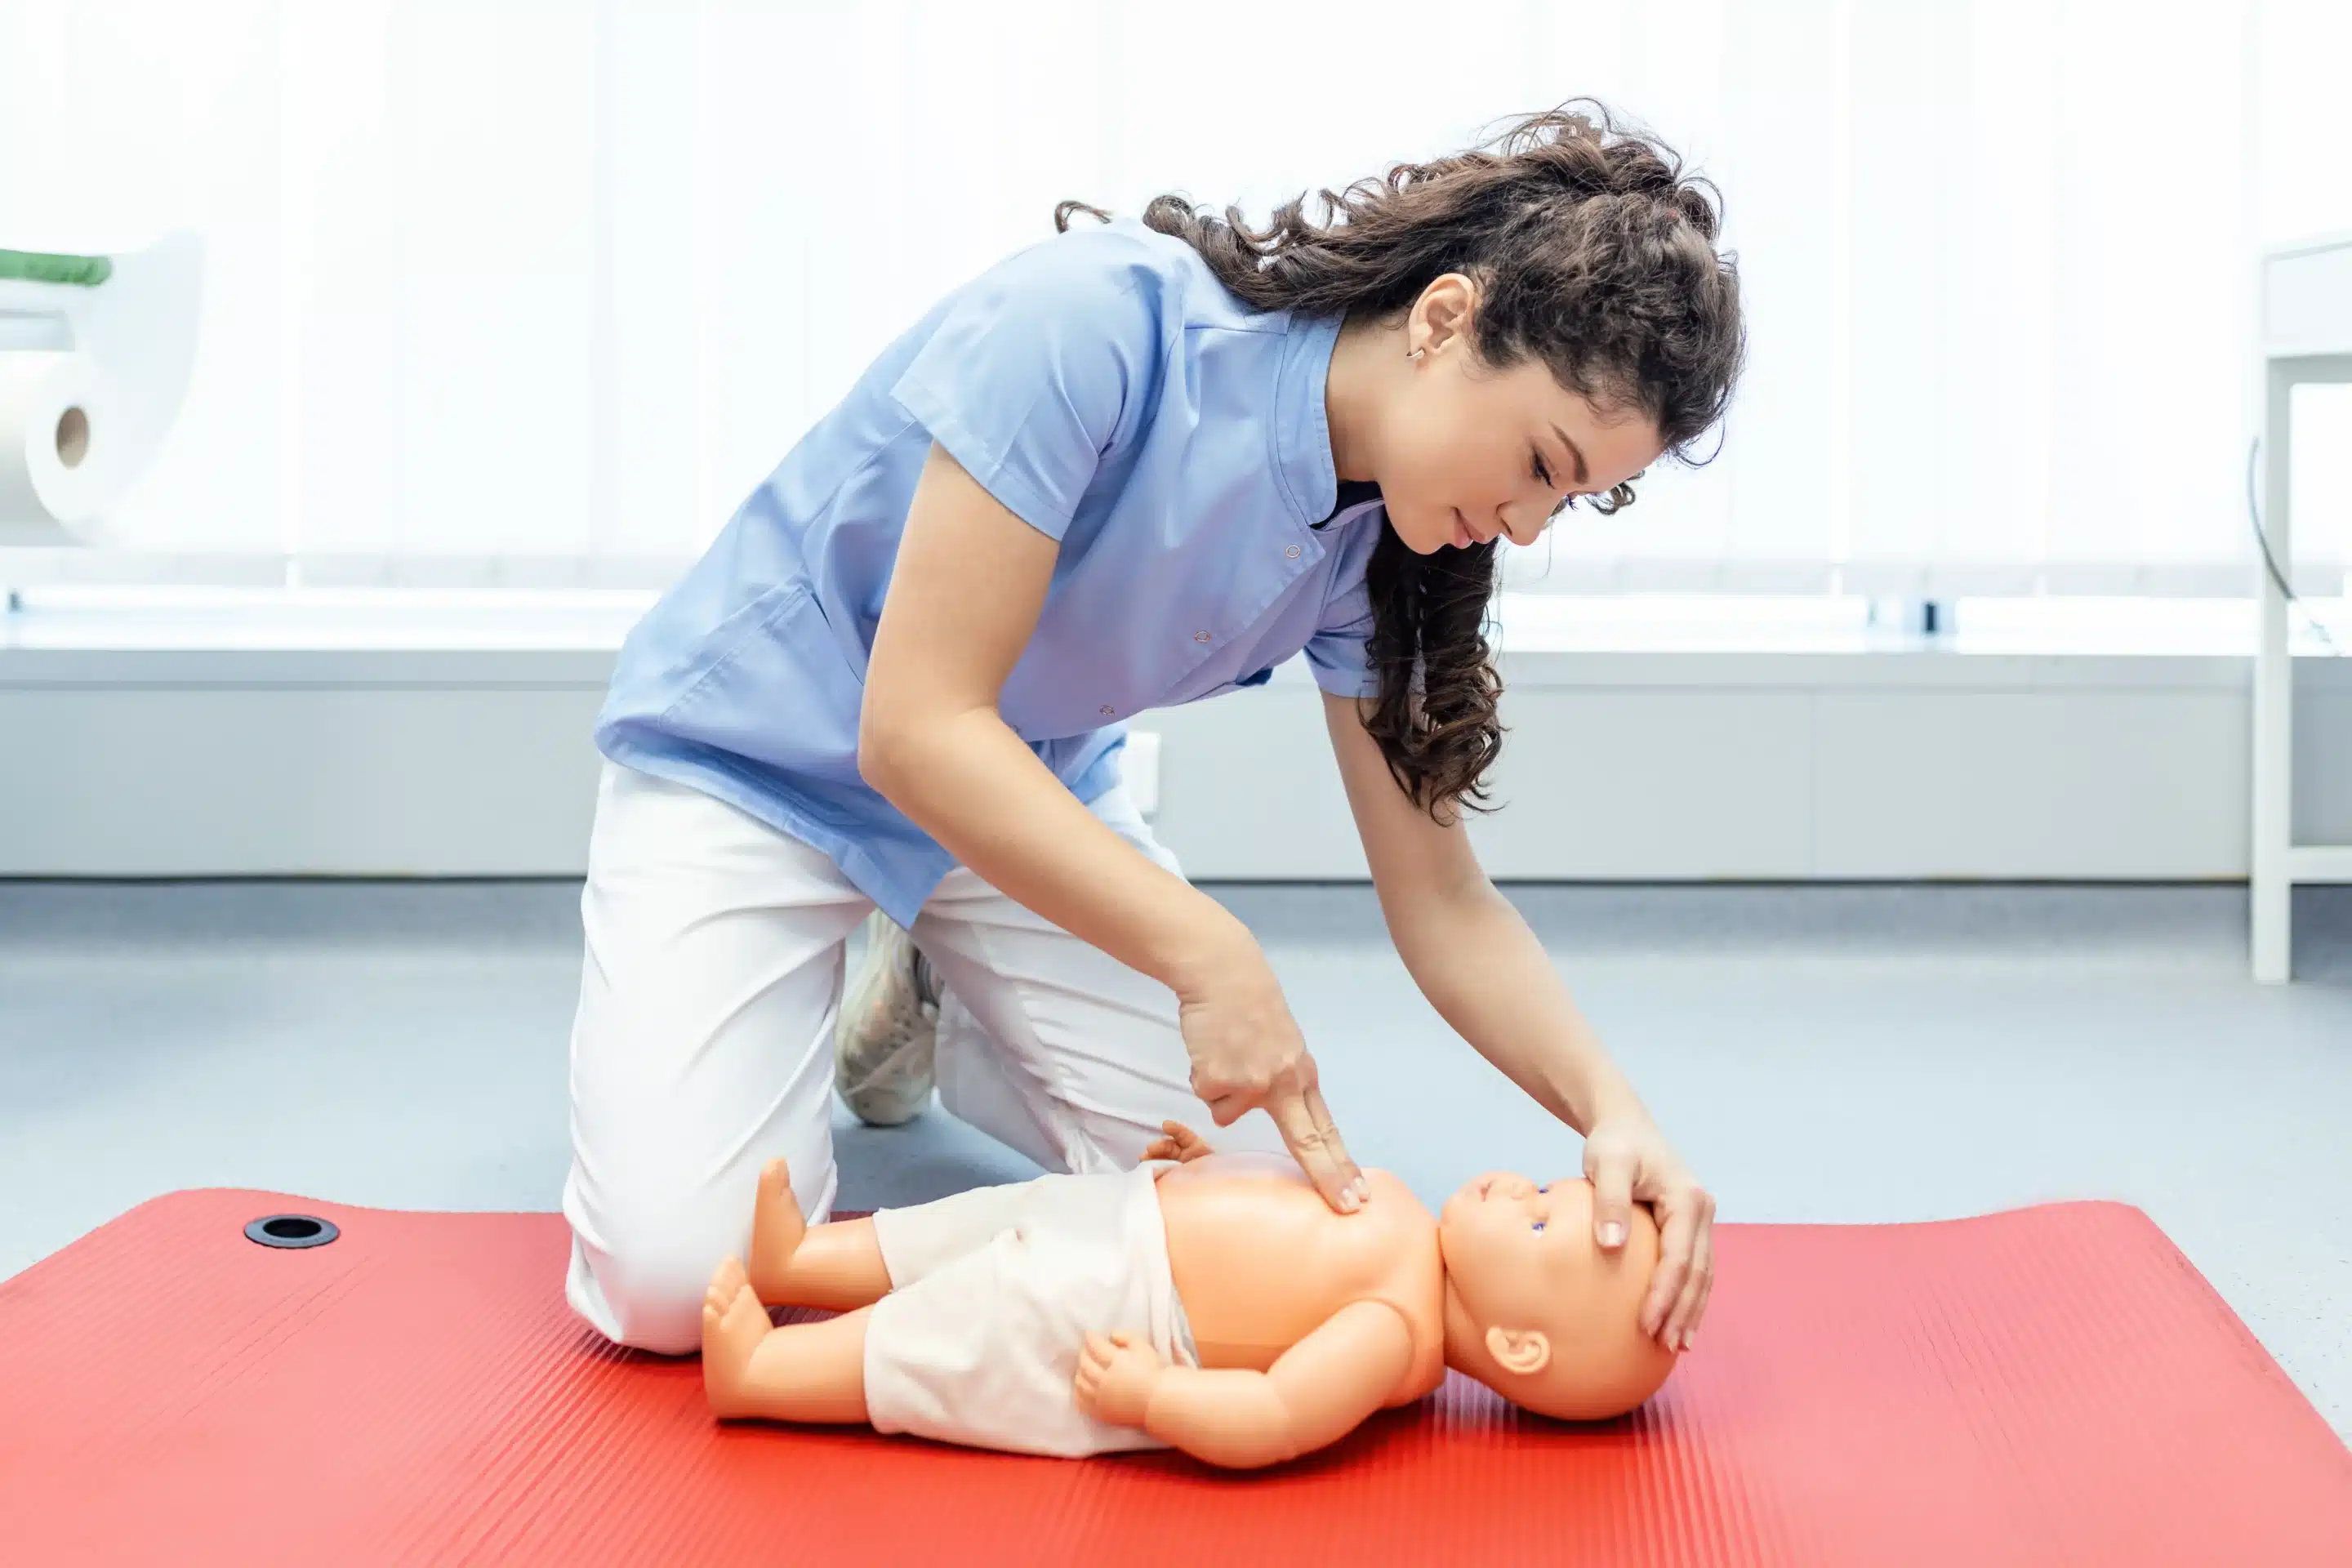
[
  {"x": 1433, "y": 910},
  {"x": 887, "y": 737}
]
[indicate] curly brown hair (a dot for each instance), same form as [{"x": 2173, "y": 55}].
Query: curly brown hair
[{"x": 1593, "y": 253}]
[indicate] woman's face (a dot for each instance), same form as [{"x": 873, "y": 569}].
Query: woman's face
[{"x": 1468, "y": 453}]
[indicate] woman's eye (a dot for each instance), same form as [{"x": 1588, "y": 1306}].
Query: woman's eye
[{"x": 1543, "y": 475}]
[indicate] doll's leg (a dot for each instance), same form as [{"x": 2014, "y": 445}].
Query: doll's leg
[
  {"x": 806, "y": 1372},
  {"x": 794, "y": 1264}
]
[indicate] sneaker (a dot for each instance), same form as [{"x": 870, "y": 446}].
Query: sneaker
[{"x": 884, "y": 1045}]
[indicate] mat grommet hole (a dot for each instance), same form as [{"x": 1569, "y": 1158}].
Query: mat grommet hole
[{"x": 292, "y": 1230}]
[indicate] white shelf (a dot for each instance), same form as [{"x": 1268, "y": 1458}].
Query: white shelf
[{"x": 2306, "y": 315}]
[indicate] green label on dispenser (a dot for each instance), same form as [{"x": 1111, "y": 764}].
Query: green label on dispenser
[{"x": 38, "y": 267}]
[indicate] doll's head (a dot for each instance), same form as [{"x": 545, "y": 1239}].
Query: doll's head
[{"x": 1536, "y": 1311}]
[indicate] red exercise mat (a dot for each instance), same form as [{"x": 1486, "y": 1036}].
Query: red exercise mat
[{"x": 2056, "y": 1385}]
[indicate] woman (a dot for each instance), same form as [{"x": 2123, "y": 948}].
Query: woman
[{"x": 1136, "y": 465}]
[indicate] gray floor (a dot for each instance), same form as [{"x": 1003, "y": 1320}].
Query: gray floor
[{"x": 1819, "y": 1054}]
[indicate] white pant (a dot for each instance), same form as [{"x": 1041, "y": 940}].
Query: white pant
[{"x": 703, "y": 1045}]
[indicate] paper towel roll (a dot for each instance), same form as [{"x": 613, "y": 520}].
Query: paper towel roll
[{"x": 61, "y": 456}]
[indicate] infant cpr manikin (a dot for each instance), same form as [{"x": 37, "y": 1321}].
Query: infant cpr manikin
[{"x": 1208, "y": 1303}]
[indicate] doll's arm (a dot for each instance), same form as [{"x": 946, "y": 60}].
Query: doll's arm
[{"x": 1318, "y": 1391}]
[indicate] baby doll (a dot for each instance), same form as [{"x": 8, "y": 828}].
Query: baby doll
[{"x": 1208, "y": 1303}]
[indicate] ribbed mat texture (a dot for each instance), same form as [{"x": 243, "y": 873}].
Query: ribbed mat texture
[{"x": 2054, "y": 1385}]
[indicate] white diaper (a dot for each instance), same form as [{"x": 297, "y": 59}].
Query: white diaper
[{"x": 993, "y": 1294}]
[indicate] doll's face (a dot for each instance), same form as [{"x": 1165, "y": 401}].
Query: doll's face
[
  {"x": 1512, "y": 1246},
  {"x": 1555, "y": 1319}
]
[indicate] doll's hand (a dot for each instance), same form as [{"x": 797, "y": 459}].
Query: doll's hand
[
  {"x": 1116, "y": 1375},
  {"x": 1181, "y": 1144}
]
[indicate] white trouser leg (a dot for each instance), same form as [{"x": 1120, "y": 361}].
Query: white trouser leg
[
  {"x": 703, "y": 1045},
  {"x": 701, "y": 1048},
  {"x": 1051, "y": 1045}
]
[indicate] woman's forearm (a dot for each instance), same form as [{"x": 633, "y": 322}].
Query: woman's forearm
[
  {"x": 1483, "y": 970},
  {"x": 970, "y": 783}
]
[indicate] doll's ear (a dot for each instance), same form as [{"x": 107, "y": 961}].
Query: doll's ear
[{"x": 1520, "y": 1350}]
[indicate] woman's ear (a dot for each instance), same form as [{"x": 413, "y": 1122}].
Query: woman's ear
[
  {"x": 1444, "y": 310},
  {"x": 1521, "y": 1351}
]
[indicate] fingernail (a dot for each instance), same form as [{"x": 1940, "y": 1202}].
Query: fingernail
[{"x": 1612, "y": 1234}]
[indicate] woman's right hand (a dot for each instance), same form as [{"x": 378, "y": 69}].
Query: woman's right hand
[{"x": 1247, "y": 1052}]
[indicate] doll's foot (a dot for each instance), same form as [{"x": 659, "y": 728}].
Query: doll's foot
[
  {"x": 733, "y": 1324},
  {"x": 776, "y": 1231}
]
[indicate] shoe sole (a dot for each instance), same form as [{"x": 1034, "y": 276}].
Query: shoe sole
[{"x": 896, "y": 1106}]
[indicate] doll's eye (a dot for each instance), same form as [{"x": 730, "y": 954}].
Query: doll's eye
[
  {"x": 1539, "y": 1224},
  {"x": 1545, "y": 1188}
]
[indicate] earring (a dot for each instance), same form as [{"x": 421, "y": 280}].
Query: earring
[{"x": 1416, "y": 354}]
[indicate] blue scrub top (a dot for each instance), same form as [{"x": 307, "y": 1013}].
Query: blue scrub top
[{"x": 1112, "y": 393}]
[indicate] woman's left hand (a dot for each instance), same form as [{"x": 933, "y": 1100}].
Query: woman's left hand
[{"x": 1627, "y": 1159}]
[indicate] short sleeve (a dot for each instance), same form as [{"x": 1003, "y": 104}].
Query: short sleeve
[
  {"x": 1340, "y": 651},
  {"x": 1030, "y": 370}
]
